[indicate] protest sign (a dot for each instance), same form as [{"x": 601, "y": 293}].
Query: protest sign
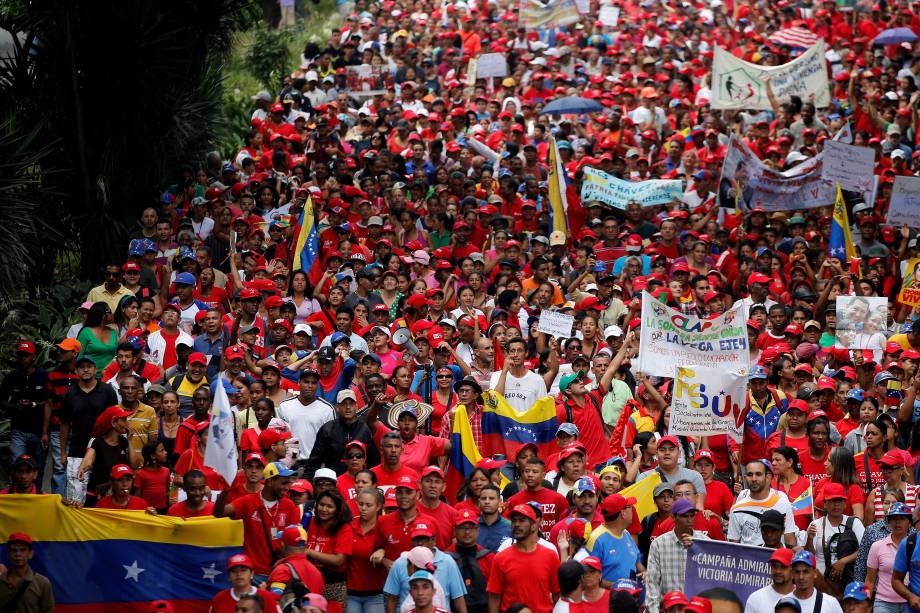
[
  {"x": 848, "y": 165},
  {"x": 861, "y": 323},
  {"x": 737, "y": 84},
  {"x": 584, "y": 6},
  {"x": 555, "y": 324},
  {"x": 741, "y": 569},
  {"x": 609, "y": 15},
  {"x": 708, "y": 401},
  {"x": 749, "y": 183},
  {"x": 543, "y": 13},
  {"x": 367, "y": 80},
  {"x": 669, "y": 339},
  {"x": 492, "y": 65},
  {"x": 910, "y": 288},
  {"x": 598, "y": 185},
  {"x": 904, "y": 205}
]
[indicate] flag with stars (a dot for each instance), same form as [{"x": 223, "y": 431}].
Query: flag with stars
[
  {"x": 306, "y": 247},
  {"x": 220, "y": 452},
  {"x": 121, "y": 561},
  {"x": 840, "y": 244},
  {"x": 558, "y": 204}
]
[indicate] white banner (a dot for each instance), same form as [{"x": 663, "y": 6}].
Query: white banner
[
  {"x": 556, "y": 324},
  {"x": 598, "y": 185},
  {"x": 904, "y": 205},
  {"x": 491, "y": 65},
  {"x": 848, "y": 165},
  {"x": 708, "y": 401},
  {"x": 669, "y": 339},
  {"x": 737, "y": 84}
]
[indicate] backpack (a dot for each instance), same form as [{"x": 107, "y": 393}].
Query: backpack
[
  {"x": 473, "y": 578},
  {"x": 841, "y": 545},
  {"x": 294, "y": 591}
]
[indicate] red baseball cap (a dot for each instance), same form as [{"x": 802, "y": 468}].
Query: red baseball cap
[
  {"x": 249, "y": 293},
  {"x": 197, "y": 358},
  {"x": 834, "y": 491},
  {"x": 270, "y": 436},
  {"x": 704, "y": 454},
  {"x": 234, "y": 352},
  {"x": 783, "y": 556},
  {"x": 593, "y": 563},
  {"x": 255, "y": 455},
  {"x": 668, "y": 439},
  {"x": 302, "y": 486},
  {"x": 526, "y": 510},
  {"x": 25, "y": 347},
  {"x": 407, "y": 482},
  {"x": 356, "y": 443},
  {"x": 431, "y": 470},
  {"x": 466, "y": 517},
  {"x": 758, "y": 277},
  {"x": 19, "y": 537},
  {"x": 680, "y": 267},
  {"x": 615, "y": 503},
  {"x": 240, "y": 559},
  {"x": 121, "y": 470},
  {"x": 422, "y": 529},
  {"x": 674, "y": 599},
  {"x": 294, "y": 536}
]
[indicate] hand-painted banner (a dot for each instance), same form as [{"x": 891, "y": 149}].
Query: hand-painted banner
[
  {"x": 708, "y": 401},
  {"x": 600, "y": 186},
  {"x": 742, "y": 569},
  {"x": 904, "y": 204},
  {"x": 910, "y": 288},
  {"x": 669, "y": 339},
  {"x": 541, "y": 13},
  {"x": 737, "y": 84}
]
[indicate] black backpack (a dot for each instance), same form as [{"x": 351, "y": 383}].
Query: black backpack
[
  {"x": 294, "y": 591},
  {"x": 473, "y": 578},
  {"x": 841, "y": 545}
]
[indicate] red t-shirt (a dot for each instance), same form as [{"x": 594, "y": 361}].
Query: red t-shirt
[
  {"x": 251, "y": 509},
  {"x": 169, "y": 353},
  {"x": 590, "y": 425},
  {"x": 340, "y": 542},
  {"x": 395, "y": 533},
  {"x": 152, "y": 484},
  {"x": 845, "y": 426},
  {"x": 719, "y": 499},
  {"x": 875, "y": 469},
  {"x": 529, "y": 577},
  {"x": 180, "y": 509},
  {"x": 792, "y": 493},
  {"x": 799, "y": 443},
  {"x": 310, "y": 575},
  {"x": 361, "y": 575},
  {"x": 553, "y": 504},
  {"x": 712, "y": 527},
  {"x": 443, "y": 516},
  {"x": 224, "y": 602},
  {"x": 135, "y": 503},
  {"x": 813, "y": 469},
  {"x": 387, "y": 479},
  {"x": 238, "y": 487}
]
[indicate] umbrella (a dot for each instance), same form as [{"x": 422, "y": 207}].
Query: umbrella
[
  {"x": 797, "y": 37},
  {"x": 895, "y": 36},
  {"x": 571, "y": 105}
]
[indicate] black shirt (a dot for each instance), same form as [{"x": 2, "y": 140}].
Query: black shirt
[
  {"x": 18, "y": 386},
  {"x": 80, "y": 410}
]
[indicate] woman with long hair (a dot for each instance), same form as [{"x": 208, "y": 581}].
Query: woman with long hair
[
  {"x": 443, "y": 397},
  {"x": 300, "y": 294},
  {"x": 98, "y": 337},
  {"x": 469, "y": 491},
  {"x": 365, "y": 574},
  {"x": 868, "y": 412},
  {"x": 264, "y": 409},
  {"x": 782, "y": 376},
  {"x": 644, "y": 446},
  {"x": 788, "y": 478},
  {"x": 330, "y": 543},
  {"x": 896, "y": 477},
  {"x": 126, "y": 315},
  {"x": 868, "y": 461},
  {"x": 402, "y": 382},
  {"x": 841, "y": 469},
  {"x": 817, "y": 431},
  {"x": 389, "y": 292},
  {"x": 168, "y": 425},
  {"x": 880, "y": 564}
]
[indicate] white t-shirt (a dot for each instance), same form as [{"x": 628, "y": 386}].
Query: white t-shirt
[
  {"x": 820, "y": 538},
  {"x": 829, "y": 604},
  {"x": 763, "y": 600},
  {"x": 521, "y": 393},
  {"x": 305, "y": 420},
  {"x": 744, "y": 518}
]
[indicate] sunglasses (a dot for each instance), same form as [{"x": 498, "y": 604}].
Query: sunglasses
[
  {"x": 354, "y": 456},
  {"x": 445, "y": 376}
]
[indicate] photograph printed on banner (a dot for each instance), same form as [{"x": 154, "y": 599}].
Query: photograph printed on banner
[{"x": 861, "y": 323}]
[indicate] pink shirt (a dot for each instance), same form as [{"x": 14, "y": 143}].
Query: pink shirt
[
  {"x": 881, "y": 557},
  {"x": 389, "y": 361}
]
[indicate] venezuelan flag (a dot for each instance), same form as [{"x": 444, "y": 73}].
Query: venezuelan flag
[
  {"x": 306, "y": 247},
  {"x": 463, "y": 451},
  {"x": 804, "y": 504},
  {"x": 504, "y": 430},
  {"x": 558, "y": 206},
  {"x": 642, "y": 491},
  {"x": 120, "y": 561},
  {"x": 840, "y": 243}
]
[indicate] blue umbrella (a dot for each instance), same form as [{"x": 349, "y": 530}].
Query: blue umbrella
[
  {"x": 571, "y": 105},
  {"x": 895, "y": 36}
]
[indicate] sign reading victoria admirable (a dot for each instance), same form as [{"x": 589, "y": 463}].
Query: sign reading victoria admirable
[{"x": 669, "y": 339}]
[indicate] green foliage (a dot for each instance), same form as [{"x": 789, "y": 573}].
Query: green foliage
[
  {"x": 269, "y": 57},
  {"x": 44, "y": 320}
]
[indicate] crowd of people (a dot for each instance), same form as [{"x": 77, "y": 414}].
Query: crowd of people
[{"x": 379, "y": 253}]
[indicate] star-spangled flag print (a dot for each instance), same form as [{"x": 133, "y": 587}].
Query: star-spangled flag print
[
  {"x": 306, "y": 248},
  {"x": 840, "y": 244}
]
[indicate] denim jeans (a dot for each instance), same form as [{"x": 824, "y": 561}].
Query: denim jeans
[
  {"x": 27, "y": 442},
  {"x": 881, "y": 606},
  {"x": 365, "y": 604},
  {"x": 59, "y": 473}
]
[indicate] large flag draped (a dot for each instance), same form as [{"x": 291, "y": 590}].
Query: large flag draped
[
  {"x": 504, "y": 430},
  {"x": 306, "y": 247},
  {"x": 463, "y": 452},
  {"x": 220, "y": 453},
  {"x": 642, "y": 491},
  {"x": 558, "y": 206},
  {"x": 120, "y": 561}
]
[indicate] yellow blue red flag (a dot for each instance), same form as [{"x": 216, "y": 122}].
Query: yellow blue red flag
[
  {"x": 306, "y": 247},
  {"x": 120, "y": 561},
  {"x": 464, "y": 454},
  {"x": 840, "y": 243},
  {"x": 504, "y": 430},
  {"x": 558, "y": 205},
  {"x": 642, "y": 491}
]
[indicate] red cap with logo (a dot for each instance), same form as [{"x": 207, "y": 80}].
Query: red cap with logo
[
  {"x": 121, "y": 470},
  {"x": 240, "y": 559}
]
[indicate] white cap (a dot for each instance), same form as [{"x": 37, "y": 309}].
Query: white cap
[
  {"x": 613, "y": 331},
  {"x": 897, "y": 153},
  {"x": 303, "y": 328},
  {"x": 311, "y": 76},
  {"x": 346, "y": 394},
  {"x": 383, "y": 329},
  {"x": 538, "y": 61},
  {"x": 450, "y": 322},
  {"x": 325, "y": 473},
  {"x": 862, "y": 206},
  {"x": 590, "y": 286}
]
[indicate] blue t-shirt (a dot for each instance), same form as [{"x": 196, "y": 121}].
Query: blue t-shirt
[
  {"x": 446, "y": 572},
  {"x": 900, "y": 566},
  {"x": 618, "y": 556},
  {"x": 426, "y": 387}
]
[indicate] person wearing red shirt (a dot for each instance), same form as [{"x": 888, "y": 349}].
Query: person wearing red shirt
[
  {"x": 430, "y": 503},
  {"x": 365, "y": 574},
  {"x": 120, "y": 483},
  {"x": 583, "y": 408},
  {"x": 264, "y": 515},
  {"x": 294, "y": 544},
  {"x": 249, "y": 479},
  {"x": 719, "y": 498},
  {"x": 329, "y": 544},
  {"x": 240, "y": 572},
  {"x": 552, "y": 503},
  {"x": 391, "y": 470},
  {"x": 814, "y": 459},
  {"x": 793, "y": 435},
  {"x": 706, "y": 522},
  {"x": 196, "y": 503},
  {"x": 396, "y": 528},
  {"x": 526, "y": 571}
]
